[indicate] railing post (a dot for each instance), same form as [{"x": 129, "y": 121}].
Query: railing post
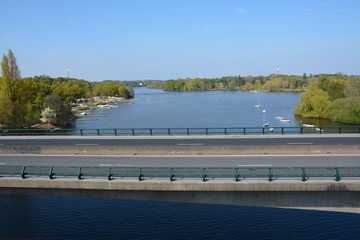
[
  {"x": 337, "y": 174},
  {"x": 225, "y": 131},
  {"x": 303, "y": 175},
  {"x": 98, "y": 132},
  {"x": 188, "y": 131},
  {"x": 263, "y": 130},
  {"x": 51, "y": 174},
  {"x": 270, "y": 176},
  {"x": 301, "y": 130},
  {"x": 206, "y": 131},
  {"x": 140, "y": 175},
  {"x": 109, "y": 175},
  {"x": 244, "y": 131},
  {"x": 115, "y": 131},
  {"x": 339, "y": 130},
  {"x": 23, "y": 173},
  {"x": 169, "y": 131},
  {"x": 133, "y": 132},
  {"x": 237, "y": 174},
  {"x": 282, "y": 130},
  {"x": 203, "y": 174},
  {"x": 172, "y": 176},
  {"x": 81, "y": 132},
  {"x": 79, "y": 174},
  {"x": 151, "y": 133}
]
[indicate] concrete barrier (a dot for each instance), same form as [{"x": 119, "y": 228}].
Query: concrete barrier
[
  {"x": 181, "y": 150},
  {"x": 328, "y": 196}
]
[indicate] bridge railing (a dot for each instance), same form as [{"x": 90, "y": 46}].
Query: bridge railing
[
  {"x": 180, "y": 131},
  {"x": 181, "y": 173}
]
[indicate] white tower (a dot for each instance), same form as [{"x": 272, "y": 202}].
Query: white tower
[
  {"x": 278, "y": 70},
  {"x": 68, "y": 72}
]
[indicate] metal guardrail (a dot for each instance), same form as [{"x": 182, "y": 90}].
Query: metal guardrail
[
  {"x": 180, "y": 173},
  {"x": 180, "y": 131}
]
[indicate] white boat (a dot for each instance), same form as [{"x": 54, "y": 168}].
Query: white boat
[{"x": 285, "y": 120}]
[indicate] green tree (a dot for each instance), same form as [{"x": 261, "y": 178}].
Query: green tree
[
  {"x": 314, "y": 102},
  {"x": 12, "y": 110}
]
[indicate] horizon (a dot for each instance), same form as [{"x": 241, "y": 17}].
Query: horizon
[{"x": 167, "y": 40}]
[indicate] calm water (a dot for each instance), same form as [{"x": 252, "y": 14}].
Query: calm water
[
  {"x": 40, "y": 217},
  {"x": 44, "y": 217},
  {"x": 156, "y": 108}
]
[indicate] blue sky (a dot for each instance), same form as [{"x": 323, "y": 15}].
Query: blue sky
[{"x": 169, "y": 39}]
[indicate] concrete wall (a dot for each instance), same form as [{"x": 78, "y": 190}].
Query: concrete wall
[
  {"x": 329, "y": 196},
  {"x": 180, "y": 150}
]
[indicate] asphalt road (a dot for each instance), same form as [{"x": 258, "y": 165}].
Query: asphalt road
[
  {"x": 336, "y": 160},
  {"x": 196, "y": 141}
]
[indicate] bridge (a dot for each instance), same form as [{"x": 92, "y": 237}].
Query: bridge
[{"x": 306, "y": 171}]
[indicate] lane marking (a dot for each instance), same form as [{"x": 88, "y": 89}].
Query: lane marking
[
  {"x": 2, "y": 163},
  {"x": 256, "y": 165},
  {"x": 106, "y": 165},
  {"x": 300, "y": 143},
  {"x": 190, "y": 144},
  {"x": 86, "y": 144}
]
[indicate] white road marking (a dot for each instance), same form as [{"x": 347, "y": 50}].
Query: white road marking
[
  {"x": 190, "y": 144},
  {"x": 300, "y": 143},
  {"x": 86, "y": 144},
  {"x": 106, "y": 165},
  {"x": 256, "y": 165},
  {"x": 2, "y": 163}
]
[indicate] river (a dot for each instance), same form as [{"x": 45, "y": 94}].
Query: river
[{"x": 44, "y": 217}]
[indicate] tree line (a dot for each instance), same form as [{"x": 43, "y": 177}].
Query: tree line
[
  {"x": 273, "y": 83},
  {"x": 24, "y": 101},
  {"x": 335, "y": 97}
]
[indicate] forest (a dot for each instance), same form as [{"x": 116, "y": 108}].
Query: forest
[
  {"x": 25, "y": 101},
  {"x": 273, "y": 83},
  {"x": 335, "y": 97}
]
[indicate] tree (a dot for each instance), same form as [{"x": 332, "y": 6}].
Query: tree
[
  {"x": 10, "y": 75},
  {"x": 13, "y": 111},
  {"x": 61, "y": 113},
  {"x": 314, "y": 102}
]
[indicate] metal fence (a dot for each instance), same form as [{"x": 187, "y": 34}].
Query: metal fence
[
  {"x": 181, "y": 173},
  {"x": 180, "y": 131}
]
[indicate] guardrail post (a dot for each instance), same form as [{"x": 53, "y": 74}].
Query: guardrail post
[
  {"x": 98, "y": 132},
  {"x": 270, "y": 175},
  {"x": 337, "y": 174},
  {"x": 49, "y": 133},
  {"x": 115, "y": 132},
  {"x": 263, "y": 130},
  {"x": 203, "y": 174},
  {"x": 140, "y": 175},
  {"x": 151, "y": 133},
  {"x": 225, "y": 131},
  {"x": 51, "y": 174},
  {"x": 79, "y": 174},
  {"x": 81, "y": 132},
  {"x": 169, "y": 131},
  {"x": 301, "y": 130},
  {"x": 303, "y": 175},
  {"x": 206, "y": 131},
  {"x": 244, "y": 131},
  {"x": 236, "y": 175},
  {"x": 23, "y": 173},
  {"x": 172, "y": 176},
  {"x": 109, "y": 175},
  {"x": 339, "y": 130},
  {"x": 133, "y": 132},
  {"x": 282, "y": 130},
  {"x": 188, "y": 131}
]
